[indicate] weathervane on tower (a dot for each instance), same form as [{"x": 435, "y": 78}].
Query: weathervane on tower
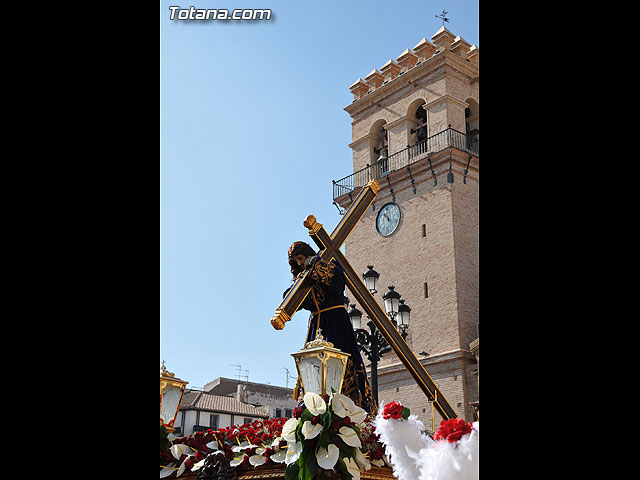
[{"x": 443, "y": 17}]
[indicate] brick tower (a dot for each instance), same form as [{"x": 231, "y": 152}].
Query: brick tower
[{"x": 415, "y": 129}]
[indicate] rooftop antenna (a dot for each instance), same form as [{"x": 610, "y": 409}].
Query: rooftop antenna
[
  {"x": 239, "y": 374},
  {"x": 443, "y": 17},
  {"x": 288, "y": 375}
]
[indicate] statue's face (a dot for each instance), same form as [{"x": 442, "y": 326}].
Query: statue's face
[{"x": 300, "y": 260}]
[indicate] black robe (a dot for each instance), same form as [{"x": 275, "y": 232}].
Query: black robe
[{"x": 328, "y": 289}]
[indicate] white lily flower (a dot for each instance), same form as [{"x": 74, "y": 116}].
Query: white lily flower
[
  {"x": 342, "y": 405},
  {"x": 289, "y": 430},
  {"x": 293, "y": 453},
  {"x": 328, "y": 458},
  {"x": 237, "y": 460},
  {"x": 357, "y": 415},
  {"x": 314, "y": 403},
  {"x": 180, "y": 449},
  {"x": 352, "y": 468},
  {"x": 243, "y": 446},
  {"x": 257, "y": 460},
  {"x": 260, "y": 450},
  {"x": 278, "y": 457},
  {"x": 310, "y": 431},
  {"x": 168, "y": 470},
  {"x": 362, "y": 461},
  {"x": 213, "y": 445},
  {"x": 198, "y": 465},
  {"x": 350, "y": 437}
]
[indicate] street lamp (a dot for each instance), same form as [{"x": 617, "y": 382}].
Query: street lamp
[
  {"x": 370, "y": 278},
  {"x": 404, "y": 315},
  {"x": 171, "y": 393},
  {"x": 371, "y": 342},
  {"x": 391, "y": 302},
  {"x": 320, "y": 366},
  {"x": 356, "y": 316},
  {"x": 373, "y": 345}
]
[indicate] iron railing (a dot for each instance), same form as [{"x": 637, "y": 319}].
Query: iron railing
[{"x": 448, "y": 138}]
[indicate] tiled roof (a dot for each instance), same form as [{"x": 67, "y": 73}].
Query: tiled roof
[{"x": 196, "y": 400}]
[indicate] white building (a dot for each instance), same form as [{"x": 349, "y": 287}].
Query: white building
[
  {"x": 202, "y": 410},
  {"x": 275, "y": 401}
]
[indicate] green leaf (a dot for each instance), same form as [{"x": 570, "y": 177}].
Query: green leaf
[
  {"x": 306, "y": 415},
  {"x": 291, "y": 473},
  {"x": 405, "y": 413},
  {"x": 164, "y": 441},
  {"x": 324, "y": 439},
  {"x": 310, "y": 465}
]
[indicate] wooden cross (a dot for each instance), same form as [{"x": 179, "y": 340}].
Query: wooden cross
[{"x": 330, "y": 248}]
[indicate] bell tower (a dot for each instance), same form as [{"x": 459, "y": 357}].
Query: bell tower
[{"x": 415, "y": 128}]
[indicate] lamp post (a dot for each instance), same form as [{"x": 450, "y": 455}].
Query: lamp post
[
  {"x": 371, "y": 342},
  {"x": 171, "y": 393}
]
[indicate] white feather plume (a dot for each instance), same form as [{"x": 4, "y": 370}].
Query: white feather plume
[{"x": 415, "y": 456}]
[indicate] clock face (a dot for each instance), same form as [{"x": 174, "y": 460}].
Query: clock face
[{"x": 388, "y": 219}]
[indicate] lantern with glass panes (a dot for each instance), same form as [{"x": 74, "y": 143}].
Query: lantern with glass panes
[
  {"x": 171, "y": 393},
  {"x": 320, "y": 366},
  {"x": 404, "y": 315},
  {"x": 370, "y": 278}
]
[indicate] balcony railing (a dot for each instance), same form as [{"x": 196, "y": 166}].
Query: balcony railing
[{"x": 449, "y": 138}]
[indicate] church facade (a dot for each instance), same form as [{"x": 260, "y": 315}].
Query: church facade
[{"x": 415, "y": 128}]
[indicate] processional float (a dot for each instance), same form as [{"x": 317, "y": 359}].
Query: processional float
[{"x": 329, "y": 246}]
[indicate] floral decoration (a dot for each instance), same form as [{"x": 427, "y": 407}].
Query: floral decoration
[
  {"x": 326, "y": 432},
  {"x": 452, "y": 430}
]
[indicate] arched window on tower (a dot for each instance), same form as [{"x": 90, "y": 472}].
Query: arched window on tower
[
  {"x": 417, "y": 129},
  {"x": 472, "y": 125},
  {"x": 379, "y": 146}
]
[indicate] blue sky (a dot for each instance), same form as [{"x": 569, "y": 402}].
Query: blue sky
[{"x": 252, "y": 131}]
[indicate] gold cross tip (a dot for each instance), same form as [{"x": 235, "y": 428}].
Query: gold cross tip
[
  {"x": 375, "y": 186},
  {"x": 312, "y": 224},
  {"x": 279, "y": 319}
]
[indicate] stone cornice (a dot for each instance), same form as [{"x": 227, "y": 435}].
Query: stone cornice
[
  {"x": 445, "y": 98},
  {"x": 368, "y": 136},
  {"x": 409, "y": 79}
]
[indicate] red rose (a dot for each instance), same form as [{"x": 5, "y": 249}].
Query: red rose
[
  {"x": 189, "y": 463},
  {"x": 392, "y": 410},
  {"x": 315, "y": 420},
  {"x": 335, "y": 425},
  {"x": 200, "y": 456},
  {"x": 452, "y": 430}
]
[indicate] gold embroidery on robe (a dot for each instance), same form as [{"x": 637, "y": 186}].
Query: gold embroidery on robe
[{"x": 323, "y": 271}]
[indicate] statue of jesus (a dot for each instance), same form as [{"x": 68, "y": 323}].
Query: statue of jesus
[{"x": 326, "y": 304}]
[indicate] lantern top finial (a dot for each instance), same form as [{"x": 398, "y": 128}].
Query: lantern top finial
[
  {"x": 165, "y": 373},
  {"x": 319, "y": 341}
]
